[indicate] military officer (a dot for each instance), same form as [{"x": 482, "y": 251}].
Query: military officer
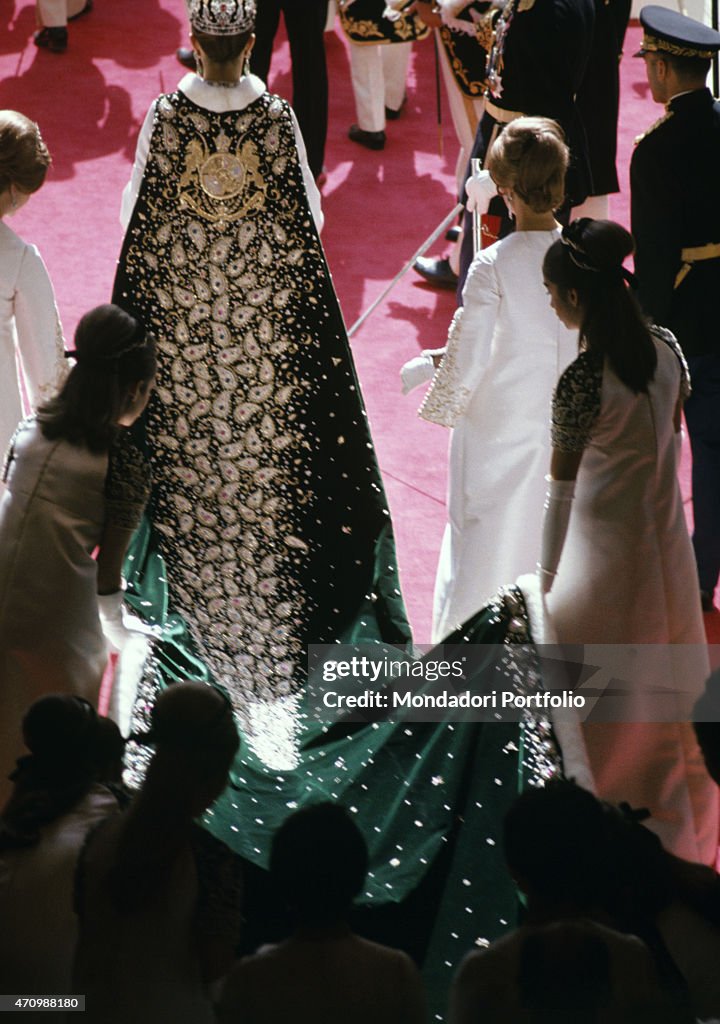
[
  {"x": 380, "y": 36},
  {"x": 536, "y": 66},
  {"x": 598, "y": 100},
  {"x": 465, "y": 35},
  {"x": 676, "y": 224}
]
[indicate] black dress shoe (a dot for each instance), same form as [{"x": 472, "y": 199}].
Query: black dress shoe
[
  {"x": 86, "y": 10},
  {"x": 393, "y": 115},
  {"x": 436, "y": 272},
  {"x": 371, "y": 140},
  {"x": 452, "y": 234},
  {"x": 186, "y": 56},
  {"x": 706, "y": 600},
  {"x": 53, "y": 39}
]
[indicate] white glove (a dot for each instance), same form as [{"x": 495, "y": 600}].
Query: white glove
[
  {"x": 480, "y": 190},
  {"x": 558, "y": 503},
  {"x": 119, "y": 625},
  {"x": 417, "y": 371}
]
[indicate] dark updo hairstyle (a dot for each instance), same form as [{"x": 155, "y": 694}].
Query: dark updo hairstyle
[
  {"x": 113, "y": 355},
  {"x": 530, "y": 157},
  {"x": 589, "y": 259},
  {"x": 222, "y": 49},
  {"x": 318, "y": 861},
  {"x": 24, "y": 157}
]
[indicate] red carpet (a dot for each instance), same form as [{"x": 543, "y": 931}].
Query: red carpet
[{"x": 90, "y": 103}]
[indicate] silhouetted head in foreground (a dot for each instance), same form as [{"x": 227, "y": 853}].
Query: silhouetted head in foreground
[
  {"x": 319, "y": 860},
  {"x": 555, "y": 840}
]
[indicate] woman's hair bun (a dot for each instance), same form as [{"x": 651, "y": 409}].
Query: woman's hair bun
[
  {"x": 107, "y": 333},
  {"x": 600, "y": 245}
]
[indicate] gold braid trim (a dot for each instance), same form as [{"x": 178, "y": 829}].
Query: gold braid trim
[
  {"x": 654, "y": 126},
  {"x": 472, "y": 87},
  {"x": 653, "y": 44}
]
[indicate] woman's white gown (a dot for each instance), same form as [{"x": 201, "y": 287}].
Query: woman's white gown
[
  {"x": 31, "y": 339},
  {"x": 506, "y": 351},
  {"x": 627, "y": 577}
]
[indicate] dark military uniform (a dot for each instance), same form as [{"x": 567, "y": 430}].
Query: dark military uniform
[
  {"x": 465, "y": 38},
  {"x": 598, "y": 98},
  {"x": 535, "y": 68},
  {"x": 305, "y": 25},
  {"x": 676, "y": 223}
]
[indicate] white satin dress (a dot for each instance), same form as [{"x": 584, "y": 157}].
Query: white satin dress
[
  {"x": 506, "y": 350},
  {"x": 31, "y": 339}
]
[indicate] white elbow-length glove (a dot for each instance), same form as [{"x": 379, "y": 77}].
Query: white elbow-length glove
[
  {"x": 118, "y": 624},
  {"x": 558, "y": 503},
  {"x": 480, "y": 189}
]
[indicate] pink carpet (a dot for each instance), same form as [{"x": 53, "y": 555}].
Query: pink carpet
[{"x": 90, "y": 103}]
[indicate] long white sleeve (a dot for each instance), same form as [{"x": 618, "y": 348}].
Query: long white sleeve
[
  {"x": 469, "y": 347},
  {"x": 131, "y": 190},
  {"x": 39, "y": 332},
  {"x": 313, "y": 193}
]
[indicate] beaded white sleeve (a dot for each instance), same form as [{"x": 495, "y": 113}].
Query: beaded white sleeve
[
  {"x": 447, "y": 398},
  {"x": 469, "y": 345}
]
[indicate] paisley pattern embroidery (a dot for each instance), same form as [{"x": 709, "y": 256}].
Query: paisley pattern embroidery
[
  {"x": 225, "y": 436},
  {"x": 267, "y": 497}
]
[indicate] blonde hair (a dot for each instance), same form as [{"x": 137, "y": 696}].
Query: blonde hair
[
  {"x": 24, "y": 157},
  {"x": 531, "y": 157}
]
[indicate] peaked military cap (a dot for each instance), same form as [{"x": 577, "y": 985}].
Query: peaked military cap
[{"x": 669, "y": 32}]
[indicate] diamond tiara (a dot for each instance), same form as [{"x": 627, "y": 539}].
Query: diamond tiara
[{"x": 222, "y": 17}]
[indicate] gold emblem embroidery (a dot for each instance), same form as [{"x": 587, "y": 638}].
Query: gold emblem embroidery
[
  {"x": 222, "y": 186},
  {"x": 222, "y": 176}
]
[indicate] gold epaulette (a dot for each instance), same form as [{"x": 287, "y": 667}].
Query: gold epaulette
[
  {"x": 661, "y": 120},
  {"x": 696, "y": 254}
]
